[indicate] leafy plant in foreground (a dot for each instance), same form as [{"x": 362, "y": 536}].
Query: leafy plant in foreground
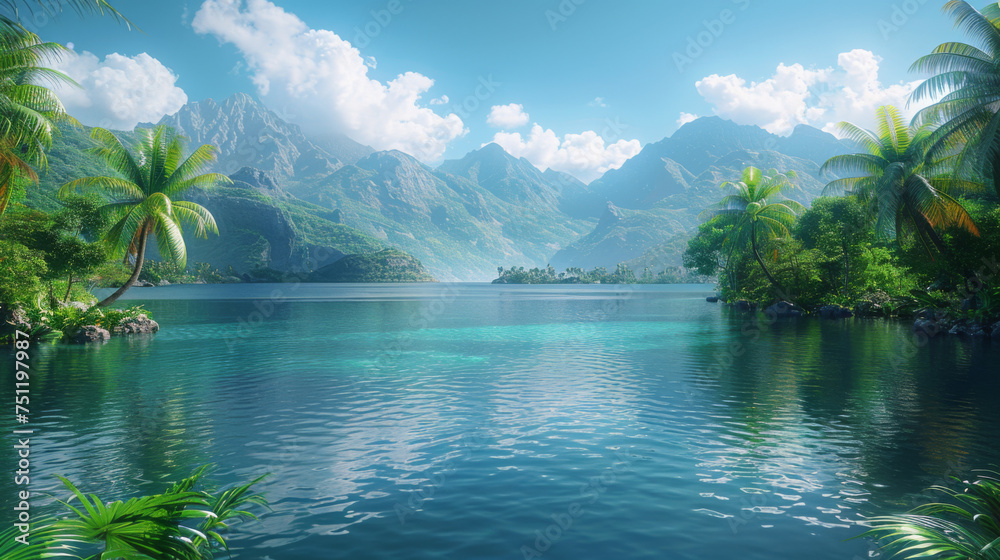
[
  {"x": 965, "y": 527},
  {"x": 182, "y": 523}
]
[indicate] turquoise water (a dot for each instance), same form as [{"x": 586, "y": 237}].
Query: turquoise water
[{"x": 478, "y": 421}]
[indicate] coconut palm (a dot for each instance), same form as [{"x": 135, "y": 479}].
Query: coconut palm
[
  {"x": 756, "y": 211},
  {"x": 12, "y": 8},
  {"x": 965, "y": 527},
  {"x": 145, "y": 196},
  {"x": 904, "y": 192},
  {"x": 966, "y": 78},
  {"x": 28, "y": 110}
]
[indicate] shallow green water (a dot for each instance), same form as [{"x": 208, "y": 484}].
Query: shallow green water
[{"x": 478, "y": 421}]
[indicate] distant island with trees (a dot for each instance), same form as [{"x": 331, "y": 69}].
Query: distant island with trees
[{"x": 599, "y": 275}]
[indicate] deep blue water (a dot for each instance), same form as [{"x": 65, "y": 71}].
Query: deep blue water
[{"x": 474, "y": 421}]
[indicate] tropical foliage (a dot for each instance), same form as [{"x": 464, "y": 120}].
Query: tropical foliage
[
  {"x": 964, "y": 526},
  {"x": 182, "y": 523},
  {"x": 145, "y": 197},
  {"x": 904, "y": 191},
  {"x": 966, "y": 78},
  {"x": 755, "y": 212},
  {"x": 29, "y": 112}
]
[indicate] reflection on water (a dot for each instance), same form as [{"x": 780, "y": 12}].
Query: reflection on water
[{"x": 468, "y": 421}]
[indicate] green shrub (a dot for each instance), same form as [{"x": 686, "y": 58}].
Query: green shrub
[{"x": 114, "y": 317}]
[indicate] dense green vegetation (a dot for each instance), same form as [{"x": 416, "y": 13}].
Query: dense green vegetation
[
  {"x": 388, "y": 265},
  {"x": 182, "y": 523},
  {"x": 910, "y": 222},
  {"x": 600, "y": 275}
]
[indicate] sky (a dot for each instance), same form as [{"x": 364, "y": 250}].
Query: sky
[{"x": 576, "y": 85}]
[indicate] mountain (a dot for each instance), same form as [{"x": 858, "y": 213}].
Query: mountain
[
  {"x": 659, "y": 193},
  {"x": 512, "y": 180},
  {"x": 621, "y": 235},
  {"x": 302, "y": 202},
  {"x": 457, "y": 227},
  {"x": 260, "y": 223},
  {"x": 248, "y": 134}
]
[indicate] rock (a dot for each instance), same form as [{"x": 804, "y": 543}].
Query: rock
[
  {"x": 996, "y": 332},
  {"x": 163, "y": 282},
  {"x": 743, "y": 305},
  {"x": 835, "y": 312},
  {"x": 927, "y": 327},
  {"x": 77, "y": 305},
  {"x": 143, "y": 284},
  {"x": 712, "y": 299},
  {"x": 957, "y": 330},
  {"x": 90, "y": 333},
  {"x": 137, "y": 325},
  {"x": 783, "y": 309}
]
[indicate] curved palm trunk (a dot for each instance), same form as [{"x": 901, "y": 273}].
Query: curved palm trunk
[
  {"x": 140, "y": 255},
  {"x": 760, "y": 261},
  {"x": 996, "y": 175}
]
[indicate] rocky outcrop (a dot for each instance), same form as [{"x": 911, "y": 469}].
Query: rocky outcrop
[
  {"x": 137, "y": 325},
  {"x": 834, "y": 312},
  {"x": 783, "y": 310},
  {"x": 90, "y": 333},
  {"x": 712, "y": 299}
]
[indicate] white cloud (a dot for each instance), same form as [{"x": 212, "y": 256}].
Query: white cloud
[
  {"x": 585, "y": 156},
  {"x": 795, "y": 95},
  {"x": 598, "y": 102},
  {"x": 443, "y": 100},
  {"x": 118, "y": 92},
  {"x": 685, "y": 118},
  {"x": 507, "y": 116},
  {"x": 371, "y": 62},
  {"x": 327, "y": 77}
]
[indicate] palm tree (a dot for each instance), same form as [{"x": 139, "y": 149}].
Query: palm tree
[
  {"x": 903, "y": 191},
  {"x": 53, "y": 7},
  {"x": 28, "y": 110},
  {"x": 757, "y": 211},
  {"x": 967, "y": 79},
  {"x": 144, "y": 203}
]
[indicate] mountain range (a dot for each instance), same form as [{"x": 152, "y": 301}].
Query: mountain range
[{"x": 301, "y": 202}]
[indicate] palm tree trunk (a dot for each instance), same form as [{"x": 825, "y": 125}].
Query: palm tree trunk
[
  {"x": 996, "y": 175},
  {"x": 69, "y": 286},
  {"x": 760, "y": 261},
  {"x": 140, "y": 255}
]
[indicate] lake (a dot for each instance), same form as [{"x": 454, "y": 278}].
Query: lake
[{"x": 473, "y": 421}]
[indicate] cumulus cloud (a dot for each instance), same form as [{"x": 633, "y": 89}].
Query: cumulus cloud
[
  {"x": 315, "y": 69},
  {"x": 118, "y": 92},
  {"x": 685, "y": 118},
  {"x": 507, "y": 116},
  {"x": 598, "y": 102},
  {"x": 443, "y": 100},
  {"x": 586, "y": 156},
  {"x": 795, "y": 95}
]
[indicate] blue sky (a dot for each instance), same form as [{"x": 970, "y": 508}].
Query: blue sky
[{"x": 599, "y": 78}]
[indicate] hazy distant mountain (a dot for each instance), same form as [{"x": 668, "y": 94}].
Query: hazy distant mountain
[
  {"x": 669, "y": 183},
  {"x": 511, "y": 179}
]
